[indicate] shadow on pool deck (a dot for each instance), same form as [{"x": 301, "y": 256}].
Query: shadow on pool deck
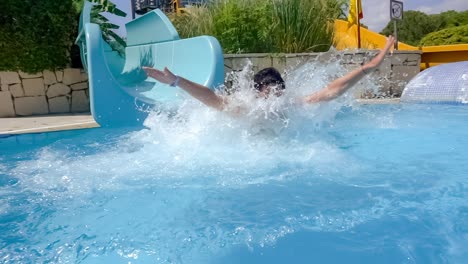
[{"x": 46, "y": 123}]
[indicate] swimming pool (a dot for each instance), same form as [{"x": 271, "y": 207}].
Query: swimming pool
[{"x": 360, "y": 184}]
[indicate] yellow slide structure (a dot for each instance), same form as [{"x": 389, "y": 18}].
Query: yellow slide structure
[{"x": 346, "y": 38}]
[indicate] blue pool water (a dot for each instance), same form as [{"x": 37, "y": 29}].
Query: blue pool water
[
  {"x": 366, "y": 184},
  {"x": 337, "y": 182}
]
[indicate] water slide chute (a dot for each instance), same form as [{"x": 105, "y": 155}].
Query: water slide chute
[{"x": 120, "y": 92}]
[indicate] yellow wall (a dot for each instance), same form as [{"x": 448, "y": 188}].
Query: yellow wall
[{"x": 346, "y": 38}]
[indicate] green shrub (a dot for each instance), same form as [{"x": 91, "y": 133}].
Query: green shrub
[
  {"x": 453, "y": 35},
  {"x": 36, "y": 35},
  {"x": 275, "y": 26},
  {"x": 239, "y": 25}
]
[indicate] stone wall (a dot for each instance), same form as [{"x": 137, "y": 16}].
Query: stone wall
[
  {"x": 391, "y": 77},
  {"x": 47, "y": 92}
]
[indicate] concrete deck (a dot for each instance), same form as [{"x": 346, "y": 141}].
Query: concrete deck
[{"x": 48, "y": 123}]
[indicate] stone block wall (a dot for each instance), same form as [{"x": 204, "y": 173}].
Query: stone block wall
[
  {"x": 391, "y": 77},
  {"x": 47, "y": 92}
]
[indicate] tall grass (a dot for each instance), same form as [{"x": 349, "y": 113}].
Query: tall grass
[
  {"x": 304, "y": 25},
  {"x": 274, "y": 26}
]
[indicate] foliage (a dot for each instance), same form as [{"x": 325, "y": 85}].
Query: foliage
[
  {"x": 453, "y": 35},
  {"x": 416, "y": 25},
  {"x": 304, "y": 25},
  {"x": 239, "y": 25},
  {"x": 107, "y": 28},
  {"x": 36, "y": 35},
  {"x": 451, "y": 19},
  {"x": 263, "y": 25}
]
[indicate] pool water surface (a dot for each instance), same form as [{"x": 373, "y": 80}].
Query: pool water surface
[{"x": 355, "y": 184}]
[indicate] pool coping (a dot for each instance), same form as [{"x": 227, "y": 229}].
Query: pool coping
[
  {"x": 46, "y": 123},
  {"x": 60, "y": 122}
]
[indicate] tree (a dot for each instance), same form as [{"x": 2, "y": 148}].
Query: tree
[
  {"x": 453, "y": 35},
  {"x": 413, "y": 27},
  {"x": 452, "y": 18},
  {"x": 416, "y": 25}
]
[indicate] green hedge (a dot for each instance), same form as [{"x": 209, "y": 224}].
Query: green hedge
[
  {"x": 453, "y": 35},
  {"x": 36, "y": 34},
  {"x": 276, "y": 26}
]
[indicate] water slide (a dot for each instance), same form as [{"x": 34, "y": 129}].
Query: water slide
[
  {"x": 346, "y": 38},
  {"x": 120, "y": 92}
]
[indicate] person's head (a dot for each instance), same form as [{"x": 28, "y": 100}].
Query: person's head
[{"x": 268, "y": 80}]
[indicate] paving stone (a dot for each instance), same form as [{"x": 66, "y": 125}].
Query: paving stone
[
  {"x": 16, "y": 90},
  {"x": 228, "y": 63},
  {"x": 79, "y": 86},
  {"x": 80, "y": 102},
  {"x": 346, "y": 59},
  {"x": 404, "y": 73},
  {"x": 4, "y": 87},
  {"x": 71, "y": 76},
  {"x": 25, "y": 75},
  {"x": 239, "y": 63},
  {"x": 358, "y": 58},
  {"x": 58, "y": 89},
  {"x": 49, "y": 77},
  {"x": 59, "y": 105},
  {"x": 295, "y": 62},
  {"x": 83, "y": 76},
  {"x": 33, "y": 87},
  {"x": 59, "y": 75},
  {"x": 385, "y": 69},
  {"x": 6, "y": 104},
  {"x": 36, "y": 105},
  {"x": 279, "y": 63},
  {"x": 328, "y": 57},
  {"x": 410, "y": 59},
  {"x": 261, "y": 62},
  {"x": 9, "y": 77}
]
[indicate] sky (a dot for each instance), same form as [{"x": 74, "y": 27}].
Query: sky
[{"x": 376, "y": 12}]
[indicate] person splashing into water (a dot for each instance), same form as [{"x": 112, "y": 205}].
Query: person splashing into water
[{"x": 269, "y": 81}]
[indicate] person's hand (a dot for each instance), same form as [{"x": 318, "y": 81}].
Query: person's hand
[
  {"x": 375, "y": 62},
  {"x": 390, "y": 43},
  {"x": 165, "y": 76}
]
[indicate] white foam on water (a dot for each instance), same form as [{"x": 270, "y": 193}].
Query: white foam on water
[{"x": 227, "y": 147}]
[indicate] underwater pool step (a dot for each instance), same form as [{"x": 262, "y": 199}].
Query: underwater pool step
[{"x": 47, "y": 123}]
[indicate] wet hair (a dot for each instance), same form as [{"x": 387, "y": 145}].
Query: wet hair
[{"x": 268, "y": 76}]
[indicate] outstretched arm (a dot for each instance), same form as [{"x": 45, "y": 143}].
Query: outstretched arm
[
  {"x": 341, "y": 85},
  {"x": 200, "y": 92}
]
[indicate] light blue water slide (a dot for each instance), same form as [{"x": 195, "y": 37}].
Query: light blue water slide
[{"x": 120, "y": 92}]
